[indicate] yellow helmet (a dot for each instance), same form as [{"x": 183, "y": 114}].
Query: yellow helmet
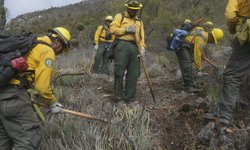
[
  {"x": 63, "y": 34},
  {"x": 133, "y": 4},
  {"x": 217, "y": 34},
  {"x": 109, "y": 18},
  {"x": 187, "y": 21},
  {"x": 209, "y": 24}
]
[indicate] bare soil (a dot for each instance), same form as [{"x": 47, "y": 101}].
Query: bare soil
[{"x": 176, "y": 117}]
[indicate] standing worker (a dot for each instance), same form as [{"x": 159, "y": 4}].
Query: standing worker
[
  {"x": 19, "y": 127},
  {"x": 102, "y": 40},
  {"x": 129, "y": 31},
  {"x": 237, "y": 14},
  {"x": 192, "y": 51},
  {"x": 208, "y": 26}
]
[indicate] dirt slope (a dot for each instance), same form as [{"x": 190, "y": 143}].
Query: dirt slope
[
  {"x": 175, "y": 119},
  {"x": 177, "y": 116}
]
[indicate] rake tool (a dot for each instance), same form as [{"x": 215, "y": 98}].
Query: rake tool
[{"x": 79, "y": 114}]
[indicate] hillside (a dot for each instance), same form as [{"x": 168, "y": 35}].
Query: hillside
[
  {"x": 160, "y": 18},
  {"x": 175, "y": 119}
]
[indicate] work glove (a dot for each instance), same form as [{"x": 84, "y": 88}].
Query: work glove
[
  {"x": 199, "y": 73},
  {"x": 142, "y": 52},
  {"x": 96, "y": 47},
  {"x": 56, "y": 108},
  {"x": 130, "y": 29}
]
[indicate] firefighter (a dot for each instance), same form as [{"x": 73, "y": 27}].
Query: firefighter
[
  {"x": 19, "y": 127},
  {"x": 192, "y": 51},
  {"x": 186, "y": 25},
  {"x": 129, "y": 32},
  {"x": 102, "y": 41},
  {"x": 208, "y": 26},
  {"x": 237, "y": 19}
]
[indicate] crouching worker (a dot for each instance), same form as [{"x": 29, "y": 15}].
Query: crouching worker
[
  {"x": 19, "y": 127},
  {"x": 191, "y": 51}
]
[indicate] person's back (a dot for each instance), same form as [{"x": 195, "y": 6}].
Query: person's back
[
  {"x": 19, "y": 126},
  {"x": 198, "y": 39},
  {"x": 40, "y": 61}
]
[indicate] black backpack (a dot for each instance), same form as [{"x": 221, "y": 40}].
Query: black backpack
[{"x": 13, "y": 48}]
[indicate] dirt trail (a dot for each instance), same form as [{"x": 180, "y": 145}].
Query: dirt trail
[
  {"x": 177, "y": 116},
  {"x": 176, "y": 113}
]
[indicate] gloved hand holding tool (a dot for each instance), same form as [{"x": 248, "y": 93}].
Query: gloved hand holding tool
[{"x": 96, "y": 47}]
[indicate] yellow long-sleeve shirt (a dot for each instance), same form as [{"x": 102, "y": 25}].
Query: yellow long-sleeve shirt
[
  {"x": 198, "y": 37},
  {"x": 234, "y": 10},
  {"x": 101, "y": 33},
  {"x": 41, "y": 59},
  {"x": 117, "y": 27}
]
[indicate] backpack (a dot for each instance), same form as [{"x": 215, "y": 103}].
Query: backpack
[
  {"x": 176, "y": 39},
  {"x": 13, "y": 48}
]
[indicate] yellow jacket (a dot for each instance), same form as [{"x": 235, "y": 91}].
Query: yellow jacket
[
  {"x": 117, "y": 27},
  {"x": 100, "y": 35},
  {"x": 234, "y": 10},
  {"x": 40, "y": 59},
  {"x": 198, "y": 38}
]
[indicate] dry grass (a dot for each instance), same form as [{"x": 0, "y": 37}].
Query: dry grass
[{"x": 125, "y": 130}]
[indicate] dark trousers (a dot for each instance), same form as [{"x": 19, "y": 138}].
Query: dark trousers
[
  {"x": 19, "y": 128},
  {"x": 238, "y": 65},
  {"x": 126, "y": 59},
  {"x": 185, "y": 59},
  {"x": 101, "y": 60}
]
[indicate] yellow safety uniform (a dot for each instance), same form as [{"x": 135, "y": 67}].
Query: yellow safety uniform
[
  {"x": 100, "y": 35},
  {"x": 118, "y": 27},
  {"x": 40, "y": 59},
  {"x": 236, "y": 9},
  {"x": 198, "y": 37}
]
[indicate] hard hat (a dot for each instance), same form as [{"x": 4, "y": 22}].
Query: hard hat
[
  {"x": 133, "y": 4},
  {"x": 109, "y": 18},
  {"x": 217, "y": 34},
  {"x": 187, "y": 21},
  {"x": 209, "y": 24},
  {"x": 63, "y": 34}
]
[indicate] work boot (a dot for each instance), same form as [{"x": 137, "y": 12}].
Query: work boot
[
  {"x": 132, "y": 103},
  {"x": 192, "y": 89},
  {"x": 206, "y": 133},
  {"x": 224, "y": 139},
  {"x": 121, "y": 103},
  {"x": 225, "y": 120},
  {"x": 210, "y": 115}
]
